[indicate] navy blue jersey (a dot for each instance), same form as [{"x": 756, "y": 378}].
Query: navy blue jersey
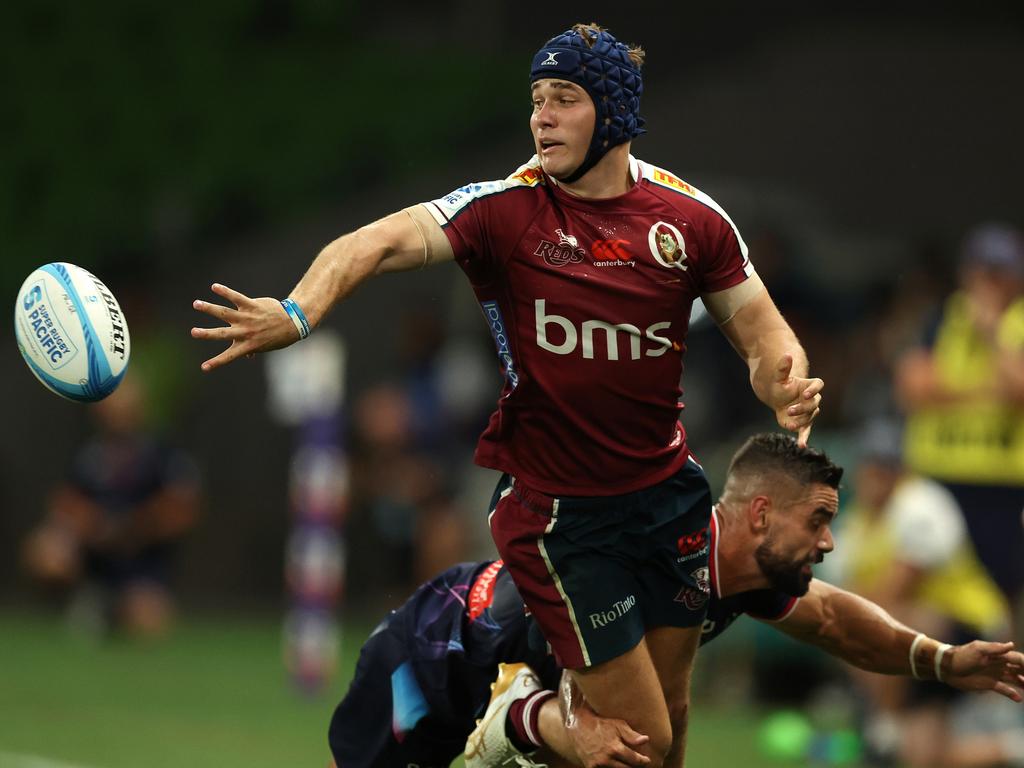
[
  {"x": 459, "y": 627},
  {"x": 425, "y": 674}
]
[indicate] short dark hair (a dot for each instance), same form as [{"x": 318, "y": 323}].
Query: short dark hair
[{"x": 778, "y": 454}]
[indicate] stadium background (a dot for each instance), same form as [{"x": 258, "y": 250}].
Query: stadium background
[{"x": 168, "y": 146}]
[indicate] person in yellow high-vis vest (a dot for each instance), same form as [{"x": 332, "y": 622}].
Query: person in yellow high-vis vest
[{"x": 963, "y": 392}]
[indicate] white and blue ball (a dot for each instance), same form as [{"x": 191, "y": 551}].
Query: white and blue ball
[{"x": 71, "y": 332}]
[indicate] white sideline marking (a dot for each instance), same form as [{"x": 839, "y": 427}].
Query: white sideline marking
[{"x": 13, "y": 760}]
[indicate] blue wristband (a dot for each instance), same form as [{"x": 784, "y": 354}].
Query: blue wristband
[{"x": 298, "y": 317}]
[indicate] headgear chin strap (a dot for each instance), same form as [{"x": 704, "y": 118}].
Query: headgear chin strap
[{"x": 605, "y": 71}]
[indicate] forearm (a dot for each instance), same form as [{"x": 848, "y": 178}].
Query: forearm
[
  {"x": 341, "y": 267},
  {"x": 865, "y": 635}
]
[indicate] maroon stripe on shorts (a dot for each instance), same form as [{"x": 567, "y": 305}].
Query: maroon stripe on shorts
[{"x": 517, "y": 530}]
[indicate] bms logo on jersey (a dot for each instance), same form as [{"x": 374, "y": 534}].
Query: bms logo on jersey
[{"x": 584, "y": 336}]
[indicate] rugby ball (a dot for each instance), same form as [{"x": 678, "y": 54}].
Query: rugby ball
[{"x": 71, "y": 332}]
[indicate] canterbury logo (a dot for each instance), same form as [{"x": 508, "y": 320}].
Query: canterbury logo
[
  {"x": 550, "y": 61},
  {"x": 611, "y": 249}
]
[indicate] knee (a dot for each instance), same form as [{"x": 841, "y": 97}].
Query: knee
[
  {"x": 679, "y": 716},
  {"x": 660, "y": 744}
]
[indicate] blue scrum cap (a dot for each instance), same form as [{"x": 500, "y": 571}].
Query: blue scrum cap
[{"x": 604, "y": 70}]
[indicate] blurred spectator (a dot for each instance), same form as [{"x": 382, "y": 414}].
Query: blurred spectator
[
  {"x": 963, "y": 390},
  {"x": 111, "y": 528},
  {"x": 904, "y": 545},
  {"x": 404, "y": 512}
]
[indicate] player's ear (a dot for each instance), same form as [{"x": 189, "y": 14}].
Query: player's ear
[{"x": 757, "y": 513}]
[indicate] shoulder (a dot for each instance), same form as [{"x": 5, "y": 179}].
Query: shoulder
[
  {"x": 526, "y": 177},
  {"x": 673, "y": 189},
  {"x": 687, "y": 199}
]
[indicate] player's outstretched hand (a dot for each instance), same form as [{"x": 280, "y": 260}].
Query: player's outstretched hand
[
  {"x": 254, "y": 325},
  {"x": 603, "y": 742},
  {"x": 798, "y": 400},
  {"x": 984, "y": 666}
]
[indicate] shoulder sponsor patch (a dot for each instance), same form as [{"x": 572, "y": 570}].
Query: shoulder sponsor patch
[{"x": 666, "y": 179}]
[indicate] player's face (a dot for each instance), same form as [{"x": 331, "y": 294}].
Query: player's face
[
  {"x": 799, "y": 536},
  {"x": 562, "y": 124}
]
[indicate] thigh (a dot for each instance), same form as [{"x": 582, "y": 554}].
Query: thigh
[
  {"x": 628, "y": 687},
  {"x": 570, "y": 574},
  {"x": 673, "y": 575},
  {"x": 673, "y": 651}
]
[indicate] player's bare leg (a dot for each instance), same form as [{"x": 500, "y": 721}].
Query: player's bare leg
[
  {"x": 569, "y": 727},
  {"x": 673, "y": 651},
  {"x": 633, "y": 687}
]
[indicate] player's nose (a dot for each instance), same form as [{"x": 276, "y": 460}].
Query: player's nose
[{"x": 827, "y": 543}]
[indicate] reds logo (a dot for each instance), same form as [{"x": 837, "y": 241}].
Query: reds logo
[
  {"x": 566, "y": 251},
  {"x": 695, "y": 599}
]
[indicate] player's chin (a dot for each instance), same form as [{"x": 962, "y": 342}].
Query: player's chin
[{"x": 557, "y": 167}]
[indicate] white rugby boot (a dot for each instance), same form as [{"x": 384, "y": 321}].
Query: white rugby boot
[{"x": 488, "y": 746}]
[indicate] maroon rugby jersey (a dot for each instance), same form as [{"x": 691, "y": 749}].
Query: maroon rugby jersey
[{"x": 589, "y": 302}]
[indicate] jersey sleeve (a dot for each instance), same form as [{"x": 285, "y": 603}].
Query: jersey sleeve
[
  {"x": 463, "y": 217},
  {"x": 769, "y": 605},
  {"x": 726, "y": 262},
  {"x": 478, "y": 216},
  {"x": 926, "y": 523}
]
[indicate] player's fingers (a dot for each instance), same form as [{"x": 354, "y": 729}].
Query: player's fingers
[
  {"x": 236, "y": 298},
  {"x": 1009, "y": 692},
  {"x": 625, "y": 761},
  {"x": 233, "y": 352},
  {"x": 216, "y": 334},
  {"x": 807, "y": 407},
  {"x": 227, "y": 314},
  {"x": 630, "y": 756},
  {"x": 814, "y": 387},
  {"x": 803, "y": 436}
]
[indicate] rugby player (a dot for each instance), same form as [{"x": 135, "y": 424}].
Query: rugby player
[
  {"x": 425, "y": 673},
  {"x": 585, "y": 262}
]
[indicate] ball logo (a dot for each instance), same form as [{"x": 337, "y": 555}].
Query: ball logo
[
  {"x": 33, "y": 296},
  {"x": 667, "y": 245}
]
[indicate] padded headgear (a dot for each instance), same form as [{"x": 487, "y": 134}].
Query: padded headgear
[{"x": 605, "y": 71}]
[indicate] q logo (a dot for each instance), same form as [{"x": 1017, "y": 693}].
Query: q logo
[{"x": 667, "y": 245}]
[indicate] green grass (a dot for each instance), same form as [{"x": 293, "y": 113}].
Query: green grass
[{"x": 211, "y": 694}]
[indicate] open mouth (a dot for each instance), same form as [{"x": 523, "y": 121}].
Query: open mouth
[{"x": 547, "y": 145}]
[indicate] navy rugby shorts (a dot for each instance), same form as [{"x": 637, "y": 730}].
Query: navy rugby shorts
[{"x": 598, "y": 572}]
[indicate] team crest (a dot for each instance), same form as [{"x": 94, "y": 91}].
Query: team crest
[
  {"x": 695, "y": 599},
  {"x": 566, "y": 251},
  {"x": 667, "y": 245}
]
